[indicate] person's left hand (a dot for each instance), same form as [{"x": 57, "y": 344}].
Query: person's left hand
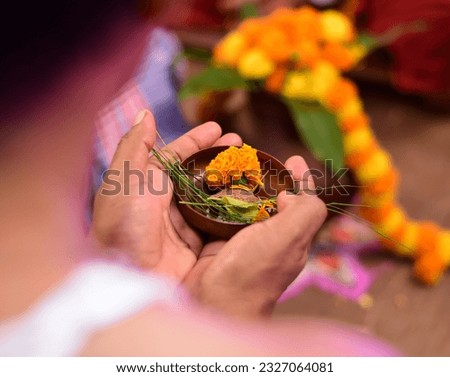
[{"x": 133, "y": 209}]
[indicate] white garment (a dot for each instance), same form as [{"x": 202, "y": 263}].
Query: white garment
[{"x": 95, "y": 296}]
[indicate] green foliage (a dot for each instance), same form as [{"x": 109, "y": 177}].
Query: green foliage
[
  {"x": 197, "y": 54},
  {"x": 319, "y": 131},
  {"x": 368, "y": 41},
  {"x": 212, "y": 79},
  {"x": 249, "y": 10}
]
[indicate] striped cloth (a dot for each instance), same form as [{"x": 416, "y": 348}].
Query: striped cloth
[{"x": 154, "y": 88}]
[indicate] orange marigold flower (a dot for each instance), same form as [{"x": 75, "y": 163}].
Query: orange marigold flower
[
  {"x": 386, "y": 183},
  {"x": 428, "y": 238},
  {"x": 232, "y": 163},
  {"x": 275, "y": 81},
  {"x": 262, "y": 214},
  {"x": 393, "y": 242},
  {"x": 342, "y": 92},
  {"x": 359, "y": 120},
  {"x": 275, "y": 44},
  {"x": 376, "y": 215},
  {"x": 429, "y": 268},
  {"x": 306, "y": 53},
  {"x": 307, "y": 25},
  {"x": 338, "y": 55},
  {"x": 252, "y": 29},
  {"x": 377, "y": 201},
  {"x": 283, "y": 18},
  {"x": 307, "y": 12},
  {"x": 358, "y": 158}
]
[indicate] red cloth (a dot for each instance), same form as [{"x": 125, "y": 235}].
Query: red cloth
[
  {"x": 196, "y": 14},
  {"x": 422, "y": 60}
]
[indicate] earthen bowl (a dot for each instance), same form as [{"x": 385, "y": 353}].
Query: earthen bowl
[{"x": 276, "y": 179}]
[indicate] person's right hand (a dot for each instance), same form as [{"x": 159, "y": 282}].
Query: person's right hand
[
  {"x": 246, "y": 275},
  {"x": 243, "y": 276}
]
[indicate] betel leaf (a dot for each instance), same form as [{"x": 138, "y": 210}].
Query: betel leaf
[
  {"x": 319, "y": 131},
  {"x": 245, "y": 210},
  {"x": 211, "y": 79}
]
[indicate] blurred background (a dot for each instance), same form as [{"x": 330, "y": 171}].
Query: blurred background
[{"x": 405, "y": 88}]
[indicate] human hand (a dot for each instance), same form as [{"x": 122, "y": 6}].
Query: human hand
[
  {"x": 244, "y": 276},
  {"x": 138, "y": 216}
]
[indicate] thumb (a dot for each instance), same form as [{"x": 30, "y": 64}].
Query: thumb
[
  {"x": 135, "y": 145},
  {"x": 300, "y": 215},
  {"x": 286, "y": 199}
]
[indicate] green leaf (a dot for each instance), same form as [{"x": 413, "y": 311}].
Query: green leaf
[
  {"x": 368, "y": 41},
  {"x": 212, "y": 79},
  {"x": 197, "y": 53},
  {"x": 249, "y": 10},
  {"x": 319, "y": 131},
  {"x": 247, "y": 211}
]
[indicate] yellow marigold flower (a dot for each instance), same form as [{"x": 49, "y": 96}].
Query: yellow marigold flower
[
  {"x": 409, "y": 239},
  {"x": 324, "y": 75},
  {"x": 351, "y": 109},
  {"x": 336, "y": 27},
  {"x": 375, "y": 167},
  {"x": 392, "y": 222},
  {"x": 255, "y": 64},
  {"x": 357, "y": 140},
  {"x": 230, "y": 49},
  {"x": 444, "y": 246},
  {"x": 358, "y": 52},
  {"x": 298, "y": 85}
]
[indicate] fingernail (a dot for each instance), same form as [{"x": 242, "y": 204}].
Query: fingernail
[{"x": 140, "y": 117}]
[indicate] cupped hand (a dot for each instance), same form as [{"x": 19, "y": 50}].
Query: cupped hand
[
  {"x": 133, "y": 208},
  {"x": 134, "y": 212}
]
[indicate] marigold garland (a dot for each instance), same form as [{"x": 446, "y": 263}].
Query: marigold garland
[{"x": 300, "y": 54}]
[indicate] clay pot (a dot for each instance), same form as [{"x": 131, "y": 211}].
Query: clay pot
[{"x": 275, "y": 178}]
